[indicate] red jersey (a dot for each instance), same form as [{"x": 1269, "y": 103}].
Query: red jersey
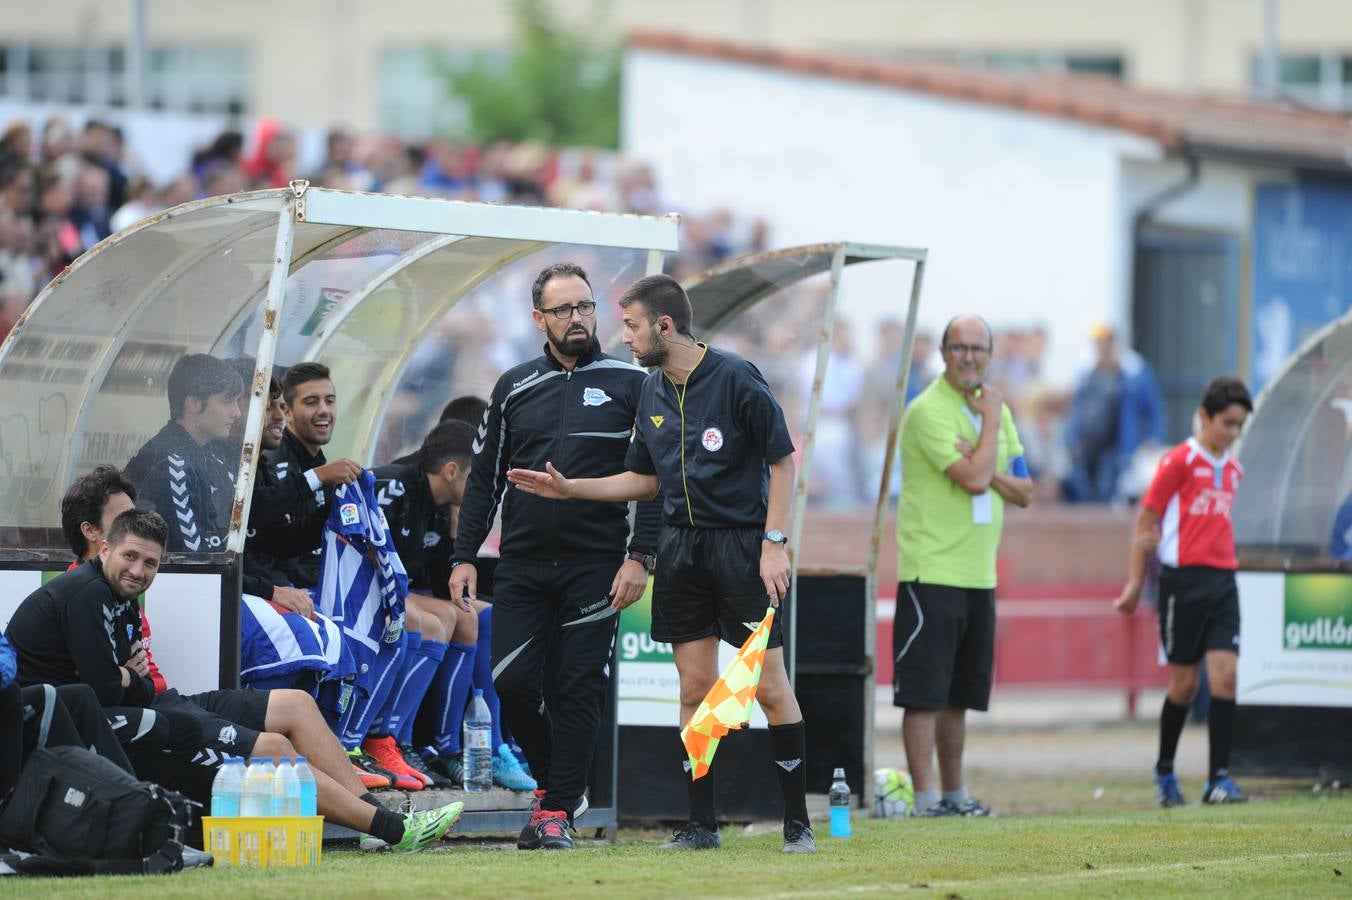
[{"x": 1192, "y": 492}]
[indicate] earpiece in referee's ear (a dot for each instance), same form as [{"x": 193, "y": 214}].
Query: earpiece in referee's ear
[{"x": 663, "y": 326}]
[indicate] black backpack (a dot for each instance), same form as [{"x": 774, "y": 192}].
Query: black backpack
[{"x": 80, "y": 813}]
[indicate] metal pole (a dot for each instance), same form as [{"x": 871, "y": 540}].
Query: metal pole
[
  {"x": 894, "y": 417},
  {"x": 1271, "y": 57},
  {"x": 258, "y": 393},
  {"x": 801, "y": 482},
  {"x": 136, "y": 56}
]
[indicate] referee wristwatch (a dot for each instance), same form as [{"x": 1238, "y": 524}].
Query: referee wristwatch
[
  {"x": 649, "y": 561},
  {"x": 775, "y": 537}
]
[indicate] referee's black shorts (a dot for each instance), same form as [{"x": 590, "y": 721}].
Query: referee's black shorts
[
  {"x": 708, "y": 583},
  {"x": 1199, "y": 611},
  {"x": 943, "y": 645}
]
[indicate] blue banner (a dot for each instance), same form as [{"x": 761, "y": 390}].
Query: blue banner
[{"x": 1302, "y": 268}]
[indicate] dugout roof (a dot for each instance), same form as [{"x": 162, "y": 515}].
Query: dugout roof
[
  {"x": 1297, "y": 458},
  {"x": 361, "y": 282}
]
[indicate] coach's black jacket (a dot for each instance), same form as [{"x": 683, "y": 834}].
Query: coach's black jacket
[
  {"x": 581, "y": 421},
  {"x": 75, "y": 628},
  {"x": 187, "y": 484}
]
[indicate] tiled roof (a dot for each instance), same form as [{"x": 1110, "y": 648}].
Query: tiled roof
[{"x": 1211, "y": 126}]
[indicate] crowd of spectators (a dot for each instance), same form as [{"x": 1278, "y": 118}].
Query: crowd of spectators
[{"x": 62, "y": 190}]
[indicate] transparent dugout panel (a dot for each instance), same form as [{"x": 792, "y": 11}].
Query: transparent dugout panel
[
  {"x": 467, "y": 344},
  {"x": 86, "y": 378},
  {"x": 1297, "y": 457}
]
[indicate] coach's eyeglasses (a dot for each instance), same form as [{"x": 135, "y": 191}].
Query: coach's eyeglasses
[
  {"x": 584, "y": 309},
  {"x": 964, "y": 349}
]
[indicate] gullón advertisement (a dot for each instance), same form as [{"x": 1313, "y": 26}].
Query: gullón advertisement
[
  {"x": 647, "y": 686},
  {"x": 1295, "y": 646}
]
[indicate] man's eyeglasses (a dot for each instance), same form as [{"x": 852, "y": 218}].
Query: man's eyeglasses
[
  {"x": 964, "y": 349},
  {"x": 584, "y": 309}
]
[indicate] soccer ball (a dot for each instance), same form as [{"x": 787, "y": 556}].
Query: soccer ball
[{"x": 893, "y": 794}]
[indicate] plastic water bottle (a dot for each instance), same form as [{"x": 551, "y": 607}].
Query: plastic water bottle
[
  {"x": 228, "y": 787},
  {"x": 257, "y": 794},
  {"x": 478, "y": 740},
  {"x": 307, "y": 851},
  {"x": 226, "y": 791},
  {"x": 309, "y": 803},
  {"x": 285, "y": 789},
  {"x": 839, "y": 800}
]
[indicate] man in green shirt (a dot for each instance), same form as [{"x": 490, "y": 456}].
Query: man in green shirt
[{"x": 961, "y": 460}]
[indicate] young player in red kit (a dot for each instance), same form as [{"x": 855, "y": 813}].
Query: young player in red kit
[{"x": 1185, "y": 519}]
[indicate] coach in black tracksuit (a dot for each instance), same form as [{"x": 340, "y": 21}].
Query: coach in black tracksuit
[
  {"x": 711, "y": 439},
  {"x": 557, "y": 581}
]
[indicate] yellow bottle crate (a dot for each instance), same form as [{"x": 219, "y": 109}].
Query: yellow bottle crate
[{"x": 262, "y": 842}]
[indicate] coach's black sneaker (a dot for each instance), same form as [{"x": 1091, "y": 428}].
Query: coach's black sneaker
[
  {"x": 693, "y": 836},
  {"x": 798, "y": 837},
  {"x": 546, "y": 830},
  {"x": 414, "y": 761}
]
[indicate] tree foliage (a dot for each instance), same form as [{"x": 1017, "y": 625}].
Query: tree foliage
[{"x": 556, "y": 85}]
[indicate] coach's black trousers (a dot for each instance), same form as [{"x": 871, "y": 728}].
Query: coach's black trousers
[{"x": 557, "y": 617}]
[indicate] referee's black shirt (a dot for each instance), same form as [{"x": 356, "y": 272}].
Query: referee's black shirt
[{"x": 711, "y": 442}]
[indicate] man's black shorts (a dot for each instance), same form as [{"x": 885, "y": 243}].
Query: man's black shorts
[
  {"x": 1199, "y": 611},
  {"x": 230, "y": 720},
  {"x": 708, "y": 583},
  {"x": 943, "y": 646}
]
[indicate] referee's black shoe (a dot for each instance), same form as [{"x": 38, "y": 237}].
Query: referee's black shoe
[
  {"x": 693, "y": 836},
  {"x": 798, "y": 837}
]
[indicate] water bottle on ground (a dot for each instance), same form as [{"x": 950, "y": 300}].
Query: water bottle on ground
[
  {"x": 256, "y": 798},
  {"x": 228, "y": 787},
  {"x": 478, "y": 745},
  {"x": 309, "y": 804},
  {"x": 839, "y": 799},
  {"x": 285, "y": 789}
]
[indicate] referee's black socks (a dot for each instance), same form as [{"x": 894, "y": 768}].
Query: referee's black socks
[
  {"x": 701, "y": 794},
  {"x": 788, "y": 748}
]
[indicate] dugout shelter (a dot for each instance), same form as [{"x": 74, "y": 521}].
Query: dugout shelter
[
  {"x": 405, "y": 299},
  {"x": 1293, "y": 527}
]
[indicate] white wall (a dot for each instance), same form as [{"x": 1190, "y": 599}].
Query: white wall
[{"x": 1020, "y": 212}]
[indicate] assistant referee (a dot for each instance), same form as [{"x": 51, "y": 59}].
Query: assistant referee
[{"x": 710, "y": 435}]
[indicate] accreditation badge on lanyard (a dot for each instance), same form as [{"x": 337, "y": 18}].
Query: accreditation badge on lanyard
[{"x": 982, "y": 513}]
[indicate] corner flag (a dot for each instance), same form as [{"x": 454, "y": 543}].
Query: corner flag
[{"x": 728, "y": 703}]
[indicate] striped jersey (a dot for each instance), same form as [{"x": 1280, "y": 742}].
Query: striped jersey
[
  {"x": 1192, "y": 492},
  {"x": 362, "y": 582},
  {"x": 274, "y": 642}
]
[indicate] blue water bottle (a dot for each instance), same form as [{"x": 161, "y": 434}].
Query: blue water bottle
[
  {"x": 839, "y": 800},
  {"x": 308, "y": 795}
]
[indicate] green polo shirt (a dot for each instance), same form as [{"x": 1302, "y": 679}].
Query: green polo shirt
[{"x": 944, "y": 534}]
